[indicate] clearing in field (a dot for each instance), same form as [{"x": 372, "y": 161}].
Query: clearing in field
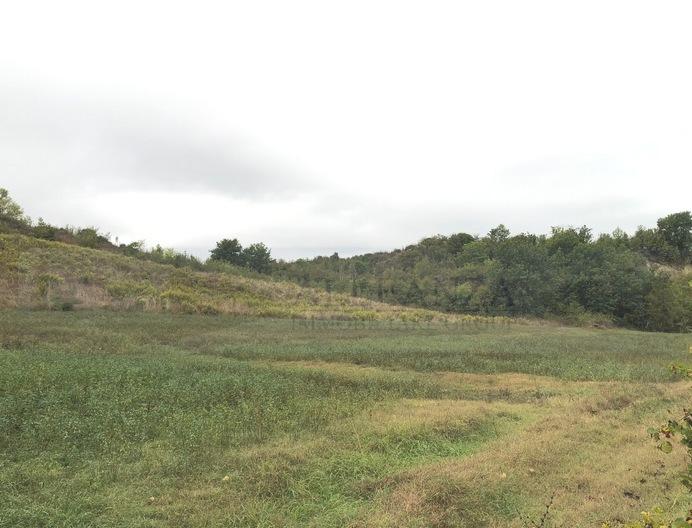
[{"x": 153, "y": 420}]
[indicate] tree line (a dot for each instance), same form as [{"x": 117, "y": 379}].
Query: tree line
[
  {"x": 634, "y": 280},
  {"x": 637, "y": 280}
]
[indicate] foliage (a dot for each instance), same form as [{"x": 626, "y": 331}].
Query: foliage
[
  {"x": 679, "y": 429},
  {"x": 169, "y": 256},
  {"x": 44, "y": 230},
  {"x": 652, "y": 244},
  {"x": 656, "y": 518},
  {"x": 228, "y": 250},
  {"x": 676, "y": 230},
  {"x": 568, "y": 274},
  {"x": 162, "y": 282},
  {"x": 257, "y": 257},
  {"x": 669, "y": 303},
  {"x": 9, "y": 208},
  {"x": 13, "y": 221},
  {"x": 91, "y": 238},
  {"x": 46, "y": 281}
]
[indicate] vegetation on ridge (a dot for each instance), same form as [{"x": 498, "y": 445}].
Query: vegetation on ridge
[
  {"x": 637, "y": 281},
  {"x": 37, "y": 273}
]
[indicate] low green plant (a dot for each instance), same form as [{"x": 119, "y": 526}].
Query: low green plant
[
  {"x": 678, "y": 430},
  {"x": 127, "y": 288},
  {"x": 674, "y": 430},
  {"x": 656, "y": 518},
  {"x": 45, "y": 284}
]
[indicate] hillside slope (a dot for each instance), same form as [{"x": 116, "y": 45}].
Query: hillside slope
[
  {"x": 635, "y": 281},
  {"x": 36, "y": 273}
]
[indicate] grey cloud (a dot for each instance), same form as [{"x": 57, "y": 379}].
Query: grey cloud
[
  {"x": 48, "y": 140},
  {"x": 57, "y": 153},
  {"x": 551, "y": 171},
  {"x": 374, "y": 225}
]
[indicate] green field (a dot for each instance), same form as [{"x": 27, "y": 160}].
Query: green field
[{"x": 142, "y": 419}]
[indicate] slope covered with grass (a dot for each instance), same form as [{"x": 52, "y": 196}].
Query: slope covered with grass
[
  {"x": 36, "y": 273},
  {"x": 157, "y": 420}
]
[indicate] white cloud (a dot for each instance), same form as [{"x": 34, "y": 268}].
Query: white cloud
[{"x": 317, "y": 126}]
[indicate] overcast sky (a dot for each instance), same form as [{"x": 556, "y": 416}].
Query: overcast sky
[{"x": 344, "y": 126}]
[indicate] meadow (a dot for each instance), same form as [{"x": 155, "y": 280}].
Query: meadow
[{"x": 161, "y": 419}]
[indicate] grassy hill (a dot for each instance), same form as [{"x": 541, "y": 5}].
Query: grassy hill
[
  {"x": 123, "y": 402},
  {"x": 35, "y": 273},
  {"x": 639, "y": 281}
]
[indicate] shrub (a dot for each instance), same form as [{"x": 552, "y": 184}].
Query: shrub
[
  {"x": 45, "y": 282},
  {"x": 11, "y": 209},
  {"x": 129, "y": 289},
  {"x": 44, "y": 230},
  {"x": 91, "y": 238},
  {"x": 228, "y": 250}
]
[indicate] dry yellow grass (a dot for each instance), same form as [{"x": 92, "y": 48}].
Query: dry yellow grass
[
  {"x": 83, "y": 278},
  {"x": 157, "y": 420},
  {"x": 585, "y": 442},
  {"x": 592, "y": 452}
]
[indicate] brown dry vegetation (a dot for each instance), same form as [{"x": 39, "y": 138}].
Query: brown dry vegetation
[
  {"x": 583, "y": 441},
  {"x": 36, "y": 273}
]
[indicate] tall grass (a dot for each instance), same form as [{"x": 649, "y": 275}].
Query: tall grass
[
  {"x": 147, "y": 420},
  {"x": 80, "y": 278}
]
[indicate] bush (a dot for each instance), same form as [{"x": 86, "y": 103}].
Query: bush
[
  {"x": 179, "y": 299},
  {"x": 669, "y": 304},
  {"x": 44, "y": 230},
  {"x": 91, "y": 238},
  {"x": 10, "y": 209},
  {"x": 129, "y": 289},
  {"x": 45, "y": 283}
]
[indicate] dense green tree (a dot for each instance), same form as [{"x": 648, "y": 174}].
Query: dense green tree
[
  {"x": 676, "y": 229},
  {"x": 44, "y": 230},
  {"x": 669, "y": 304},
  {"x": 475, "y": 252},
  {"x": 133, "y": 248},
  {"x": 498, "y": 234},
  {"x": 90, "y": 237},
  {"x": 228, "y": 250},
  {"x": 563, "y": 274},
  {"x": 457, "y": 241},
  {"x": 257, "y": 257},
  {"x": 414, "y": 295},
  {"x": 495, "y": 238},
  {"x": 567, "y": 239},
  {"x": 652, "y": 244},
  {"x": 522, "y": 283}
]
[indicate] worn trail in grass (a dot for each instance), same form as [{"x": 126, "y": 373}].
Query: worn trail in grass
[{"x": 157, "y": 420}]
